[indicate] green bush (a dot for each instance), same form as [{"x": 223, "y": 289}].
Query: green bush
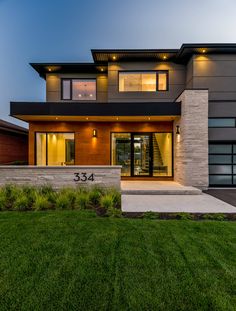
[
  {"x": 116, "y": 197},
  {"x": 94, "y": 196},
  {"x": 114, "y": 212},
  {"x": 22, "y": 203},
  {"x": 3, "y": 200},
  {"x": 184, "y": 216},
  {"x": 62, "y": 201},
  {"x": 107, "y": 201},
  {"x": 30, "y": 192},
  {"x": 151, "y": 215},
  {"x": 82, "y": 200},
  {"x": 46, "y": 189},
  {"x": 41, "y": 203},
  {"x": 216, "y": 216},
  {"x": 11, "y": 193},
  {"x": 71, "y": 194}
]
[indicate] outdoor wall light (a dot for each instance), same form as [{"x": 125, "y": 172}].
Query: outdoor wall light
[
  {"x": 177, "y": 130},
  {"x": 95, "y": 133}
]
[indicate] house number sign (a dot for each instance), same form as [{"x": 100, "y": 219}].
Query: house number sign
[{"x": 83, "y": 177}]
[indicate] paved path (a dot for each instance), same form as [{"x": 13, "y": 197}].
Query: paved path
[
  {"x": 226, "y": 195},
  {"x": 203, "y": 203}
]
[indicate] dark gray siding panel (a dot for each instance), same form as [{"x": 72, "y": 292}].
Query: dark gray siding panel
[
  {"x": 226, "y": 134},
  {"x": 222, "y": 109}
]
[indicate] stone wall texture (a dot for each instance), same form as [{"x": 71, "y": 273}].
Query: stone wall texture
[
  {"x": 191, "y": 145},
  {"x": 61, "y": 176}
]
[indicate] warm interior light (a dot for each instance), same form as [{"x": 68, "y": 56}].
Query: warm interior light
[
  {"x": 164, "y": 57},
  {"x": 102, "y": 69},
  {"x": 86, "y": 118},
  {"x": 177, "y": 130},
  {"x": 117, "y": 119},
  {"x": 94, "y": 133},
  {"x": 203, "y": 51},
  {"x": 114, "y": 57},
  {"x": 56, "y": 118},
  {"x": 49, "y": 69},
  {"x": 149, "y": 118}
]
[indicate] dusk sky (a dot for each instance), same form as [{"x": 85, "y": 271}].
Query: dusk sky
[{"x": 66, "y": 30}]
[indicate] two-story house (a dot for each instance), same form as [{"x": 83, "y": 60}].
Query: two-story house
[{"x": 147, "y": 110}]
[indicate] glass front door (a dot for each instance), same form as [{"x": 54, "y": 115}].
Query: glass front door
[{"x": 141, "y": 155}]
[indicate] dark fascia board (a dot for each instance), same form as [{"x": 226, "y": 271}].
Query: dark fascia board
[
  {"x": 12, "y": 128},
  {"x": 95, "y": 109},
  {"x": 43, "y": 68}
]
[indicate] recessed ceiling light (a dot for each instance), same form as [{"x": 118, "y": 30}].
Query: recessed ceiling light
[
  {"x": 203, "y": 51},
  {"x": 117, "y": 118},
  {"x": 102, "y": 69},
  {"x": 49, "y": 69},
  {"x": 164, "y": 57},
  {"x": 114, "y": 57},
  {"x": 149, "y": 118},
  {"x": 56, "y": 118},
  {"x": 86, "y": 118}
]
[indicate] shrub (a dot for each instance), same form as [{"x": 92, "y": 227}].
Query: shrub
[
  {"x": 30, "y": 192},
  {"x": 46, "y": 189},
  {"x": 216, "y": 216},
  {"x": 11, "y": 193},
  {"x": 71, "y": 194},
  {"x": 184, "y": 216},
  {"x": 22, "y": 203},
  {"x": 62, "y": 201},
  {"x": 107, "y": 201},
  {"x": 116, "y": 197},
  {"x": 41, "y": 203},
  {"x": 94, "y": 196},
  {"x": 3, "y": 200},
  {"x": 114, "y": 212},
  {"x": 82, "y": 200},
  {"x": 151, "y": 215}
]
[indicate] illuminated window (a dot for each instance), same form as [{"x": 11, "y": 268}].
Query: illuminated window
[
  {"x": 79, "y": 89},
  {"x": 149, "y": 81},
  {"x": 55, "y": 149}
]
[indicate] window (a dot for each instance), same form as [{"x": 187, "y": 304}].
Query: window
[
  {"x": 79, "y": 89},
  {"x": 221, "y": 122},
  {"x": 222, "y": 168},
  {"x": 55, "y": 149},
  {"x": 149, "y": 81}
]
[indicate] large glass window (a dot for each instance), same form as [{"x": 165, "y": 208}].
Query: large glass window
[
  {"x": 149, "y": 81},
  {"x": 55, "y": 149},
  {"x": 79, "y": 89},
  {"x": 162, "y": 154}
]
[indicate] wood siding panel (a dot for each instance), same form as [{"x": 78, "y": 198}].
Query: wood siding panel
[{"x": 90, "y": 150}]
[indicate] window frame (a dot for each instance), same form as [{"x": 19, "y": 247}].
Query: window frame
[
  {"x": 145, "y": 71},
  {"x": 49, "y": 132},
  {"x": 71, "y": 89}
]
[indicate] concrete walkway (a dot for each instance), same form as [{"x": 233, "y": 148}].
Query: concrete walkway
[
  {"x": 167, "y": 197},
  {"x": 203, "y": 203}
]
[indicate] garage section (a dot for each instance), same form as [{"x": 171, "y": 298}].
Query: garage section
[{"x": 222, "y": 164}]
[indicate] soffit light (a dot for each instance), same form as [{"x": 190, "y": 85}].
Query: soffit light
[
  {"x": 114, "y": 57},
  {"x": 95, "y": 133}
]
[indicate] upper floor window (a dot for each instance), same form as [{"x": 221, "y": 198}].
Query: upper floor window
[
  {"x": 143, "y": 81},
  {"x": 78, "y": 89},
  {"x": 221, "y": 122}
]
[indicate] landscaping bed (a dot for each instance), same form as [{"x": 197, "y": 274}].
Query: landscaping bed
[{"x": 74, "y": 260}]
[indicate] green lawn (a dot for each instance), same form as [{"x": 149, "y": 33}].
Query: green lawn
[{"x": 72, "y": 260}]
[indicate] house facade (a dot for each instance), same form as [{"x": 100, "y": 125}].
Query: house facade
[{"x": 160, "y": 114}]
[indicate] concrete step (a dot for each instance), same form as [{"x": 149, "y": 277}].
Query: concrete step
[{"x": 184, "y": 191}]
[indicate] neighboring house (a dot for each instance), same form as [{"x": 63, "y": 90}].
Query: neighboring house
[
  {"x": 146, "y": 110},
  {"x": 13, "y": 144}
]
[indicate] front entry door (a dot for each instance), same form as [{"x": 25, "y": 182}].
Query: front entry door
[{"x": 141, "y": 155}]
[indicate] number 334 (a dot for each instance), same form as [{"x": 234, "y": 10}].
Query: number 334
[{"x": 83, "y": 177}]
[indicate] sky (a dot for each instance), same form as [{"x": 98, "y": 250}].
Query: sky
[{"x": 66, "y": 30}]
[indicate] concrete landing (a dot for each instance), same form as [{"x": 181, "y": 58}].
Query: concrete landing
[
  {"x": 174, "y": 203},
  {"x": 143, "y": 187}
]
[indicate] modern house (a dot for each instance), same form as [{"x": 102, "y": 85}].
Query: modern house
[
  {"x": 161, "y": 114},
  {"x": 13, "y": 144}
]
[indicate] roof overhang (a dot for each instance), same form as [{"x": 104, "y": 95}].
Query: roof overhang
[{"x": 67, "y": 111}]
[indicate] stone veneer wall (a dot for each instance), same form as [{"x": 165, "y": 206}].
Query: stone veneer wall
[
  {"x": 191, "y": 146},
  {"x": 61, "y": 176}
]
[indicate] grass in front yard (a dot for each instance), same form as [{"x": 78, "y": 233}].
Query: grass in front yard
[{"x": 73, "y": 260}]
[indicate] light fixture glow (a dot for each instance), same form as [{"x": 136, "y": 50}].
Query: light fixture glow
[
  {"x": 86, "y": 118},
  {"x": 149, "y": 118},
  {"x": 114, "y": 57},
  {"x": 102, "y": 69},
  {"x": 203, "y": 51},
  {"x": 164, "y": 57},
  {"x": 94, "y": 133},
  {"x": 117, "y": 119},
  {"x": 49, "y": 69}
]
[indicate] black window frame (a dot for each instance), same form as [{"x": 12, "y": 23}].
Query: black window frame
[
  {"x": 146, "y": 71},
  {"x": 71, "y": 89}
]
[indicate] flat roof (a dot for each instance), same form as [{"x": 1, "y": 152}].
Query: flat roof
[
  {"x": 10, "y": 127},
  {"x": 102, "y": 57}
]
